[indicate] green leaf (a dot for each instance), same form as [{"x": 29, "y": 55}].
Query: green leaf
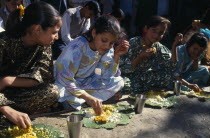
[
  {"x": 126, "y": 112},
  {"x": 169, "y": 102}
]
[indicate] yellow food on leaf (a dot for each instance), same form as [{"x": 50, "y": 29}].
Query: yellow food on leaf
[
  {"x": 21, "y": 133},
  {"x": 104, "y": 117},
  {"x": 30, "y": 132},
  {"x": 202, "y": 93}
]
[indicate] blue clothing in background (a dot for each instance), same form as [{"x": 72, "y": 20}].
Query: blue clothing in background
[
  {"x": 184, "y": 68},
  {"x": 206, "y": 32}
]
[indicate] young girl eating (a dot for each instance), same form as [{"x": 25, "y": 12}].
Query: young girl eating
[
  {"x": 87, "y": 70},
  {"x": 149, "y": 64},
  {"x": 188, "y": 71}
]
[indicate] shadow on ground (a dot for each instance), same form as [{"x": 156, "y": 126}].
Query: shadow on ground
[{"x": 190, "y": 119}]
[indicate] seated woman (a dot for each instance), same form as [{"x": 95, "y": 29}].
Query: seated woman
[
  {"x": 87, "y": 69},
  {"x": 188, "y": 71},
  {"x": 26, "y": 68},
  {"x": 149, "y": 64},
  {"x": 197, "y": 26}
]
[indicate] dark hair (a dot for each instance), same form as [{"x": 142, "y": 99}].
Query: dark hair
[
  {"x": 94, "y": 6},
  {"x": 206, "y": 18},
  {"x": 118, "y": 13},
  {"x": 198, "y": 38},
  {"x": 38, "y": 13},
  {"x": 156, "y": 20},
  {"x": 104, "y": 24}
]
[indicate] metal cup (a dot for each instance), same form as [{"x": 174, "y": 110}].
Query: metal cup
[
  {"x": 177, "y": 87},
  {"x": 74, "y": 123},
  {"x": 139, "y": 104}
]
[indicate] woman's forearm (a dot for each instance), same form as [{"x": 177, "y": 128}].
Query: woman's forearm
[
  {"x": 184, "y": 82},
  {"x": 3, "y": 108},
  {"x": 174, "y": 54},
  {"x": 117, "y": 59},
  {"x": 18, "y": 82}
]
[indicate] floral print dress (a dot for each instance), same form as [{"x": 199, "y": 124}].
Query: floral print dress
[
  {"x": 80, "y": 70},
  {"x": 154, "y": 72}
]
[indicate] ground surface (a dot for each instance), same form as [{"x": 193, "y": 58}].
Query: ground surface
[{"x": 191, "y": 119}]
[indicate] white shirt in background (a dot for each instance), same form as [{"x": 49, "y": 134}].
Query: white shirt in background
[
  {"x": 2, "y": 27},
  {"x": 66, "y": 26}
]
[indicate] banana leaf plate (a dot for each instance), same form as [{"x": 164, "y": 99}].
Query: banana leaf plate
[
  {"x": 168, "y": 102},
  {"x": 159, "y": 99},
  {"x": 41, "y": 131},
  {"x": 126, "y": 113},
  {"x": 204, "y": 95}
]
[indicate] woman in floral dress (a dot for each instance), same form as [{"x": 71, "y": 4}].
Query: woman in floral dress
[{"x": 149, "y": 64}]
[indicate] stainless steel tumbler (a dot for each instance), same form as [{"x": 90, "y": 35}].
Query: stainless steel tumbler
[
  {"x": 139, "y": 104},
  {"x": 177, "y": 87},
  {"x": 74, "y": 123}
]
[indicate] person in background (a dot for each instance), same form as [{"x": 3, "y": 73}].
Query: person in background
[
  {"x": 197, "y": 26},
  {"x": 26, "y": 68},
  {"x": 118, "y": 14},
  {"x": 188, "y": 70},
  {"x": 87, "y": 69},
  {"x": 10, "y": 5},
  {"x": 149, "y": 64},
  {"x": 76, "y": 21}
]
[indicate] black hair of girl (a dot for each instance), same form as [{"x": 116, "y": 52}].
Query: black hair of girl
[
  {"x": 156, "y": 20},
  {"x": 105, "y": 24},
  {"x": 38, "y": 13},
  {"x": 198, "y": 38}
]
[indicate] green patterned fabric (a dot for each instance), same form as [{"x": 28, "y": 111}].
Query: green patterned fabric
[{"x": 154, "y": 72}]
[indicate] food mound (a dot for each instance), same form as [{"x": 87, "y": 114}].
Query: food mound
[
  {"x": 110, "y": 114},
  {"x": 30, "y": 132},
  {"x": 20, "y": 133},
  {"x": 159, "y": 99},
  {"x": 202, "y": 94}
]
